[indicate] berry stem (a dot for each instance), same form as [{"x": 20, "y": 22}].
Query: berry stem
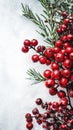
[{"x": 69, "y": 99}]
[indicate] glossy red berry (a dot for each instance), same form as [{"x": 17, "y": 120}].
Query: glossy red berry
[
  {"x": 56, "y": 49},
  {"x": 66, "y": 73},
  {"x": 66, "y": 21},
  {"x": 49, "y": 52},
  {"x": 67, "y": 63},
  {"x": 27, "y": 42},
  {"x": 71, "y": 56},
  {"x": 55, "y": 74},
  {"x": 42, "y": 59},
  {"x": 38, "y": 101},
  {"x": 63, "y": 82},
  {"x": 69, "y": 37},
  {"x": 34, "y": 42},
  {"x": 52, "y": 91},
  {"x": 35, "y": 111},
  {"x": 35, "y": 58},
  {"x": 64, "y": 14},
  {"x": 59, "y": 30},
  {"x": 64, "y": 101},
  {"x": 64, "y": 38},
  {"x": 29, "y": 125},
  {"x": 49, "y": 83},
  {"x": 54, "y": 66},
  {"x": 47, "y": 73},
  {"x": 69, "y": 50},
  {"x": 58, "y": 43},
  {"x": 25, "y": 49},
  {"x": 61, "y": 94},
  {"x": 63, "y": 27},
  {"x": 70, "y": 92},
  {"x": 59, "y": 57}
]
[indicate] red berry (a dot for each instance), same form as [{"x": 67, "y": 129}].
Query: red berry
[
  {"x": 49, "y": 52},
  {"x": 40, "y": 48},
  {"x": 25, "y": 49},
  {"x": 53, "y": 91},
  {"x": 35, "y": 111},
  {"x": 29, "y": 125},
  {"x": 71, "y": 56},
  {"x": 34, "y": 42},
  {"x": 58, "y": 43},
  {"x": 63, "y": 127},
  {"x": 49, "y": 83},
  {"x": 59, "y": 57},
  {"x": 69, "y": 37},
  {"x": 48, "y": 62},
  {"x": 39, "y": 121},
  {"x": 28, "y": 115},
  {"x": 64, "y": 38},
  {"x": 64, "y": 101},
  {"x": 70, "y": 92},
  {"x": 67, "y": 63},
  {"x": 66, "y": 44},
  {"x": 64, "y": 14},
  {"x": 66, "y": 21},
  {"x": 61, "y": 94},
  {"x": 54, "y": 66},
  {"x": 47, "y": 73},
  {"x": 69, "y": 50},
  {"x": 38, "y": 101},
  {"x": 55, "y": 105},
  {"x": 59, "y": 30},
  {"x": 55, "y": 74},
  {"x": 42, "y": 60},
  {"x": 56, "y": 49},
  {"x": 27, "y": 42},
  {"x": 63, "y": 82},
  {"x": 66, "y": 73},
  {"x": 35, "y": 58},
  {"x": 63, "y": 27}
]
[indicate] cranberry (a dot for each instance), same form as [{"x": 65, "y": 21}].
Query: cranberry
[
  {"x": 29, "y": 125},
  {"x": 49, "y": 52},
  {"x": 55, "y": 74}
]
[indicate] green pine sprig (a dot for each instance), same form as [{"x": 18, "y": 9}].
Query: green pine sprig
[{"x": 35, "y": 76}]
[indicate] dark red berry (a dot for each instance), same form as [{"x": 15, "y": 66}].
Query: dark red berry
[{"x": 34, "y": 42}]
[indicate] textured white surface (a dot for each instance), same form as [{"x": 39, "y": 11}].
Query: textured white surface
[{"x": 17, "y": 96}]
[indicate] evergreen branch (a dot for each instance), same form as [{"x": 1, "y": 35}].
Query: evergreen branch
[
  {"x": 36, "y": 76},
  {"x": 34, "y": 18}
]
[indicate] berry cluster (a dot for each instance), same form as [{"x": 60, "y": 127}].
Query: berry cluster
[
  {"x": 57, "y": 116},
  {"x": 58, "y": 78}
]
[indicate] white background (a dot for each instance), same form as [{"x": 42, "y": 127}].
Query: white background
[{"x": 17, "y": 96}]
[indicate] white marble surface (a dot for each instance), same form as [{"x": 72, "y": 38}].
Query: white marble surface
[{"x": 17, "y": 96}]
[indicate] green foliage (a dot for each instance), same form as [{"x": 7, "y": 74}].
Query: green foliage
[{"x": 35, "y": 76}]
